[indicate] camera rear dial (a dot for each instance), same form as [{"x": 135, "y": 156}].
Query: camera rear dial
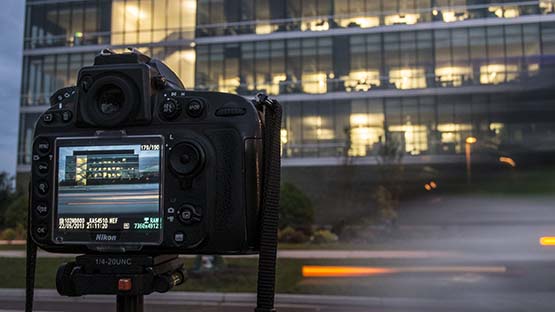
[{"x": 186, "y": 158}]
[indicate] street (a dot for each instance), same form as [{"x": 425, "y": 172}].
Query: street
[
  {"x": 102, "y": 199},
  {"x": 455, "y": 253}
]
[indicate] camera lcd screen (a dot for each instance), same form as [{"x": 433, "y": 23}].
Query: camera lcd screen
[{"x": 108, "y": 191}]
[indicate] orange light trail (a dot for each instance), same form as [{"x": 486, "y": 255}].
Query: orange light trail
[
  {"x": 345, "y": 271},
  {"x": 547, "y": 241},
  {"x": 340, "y": 271},
  {"x": 507, "y": 160}
]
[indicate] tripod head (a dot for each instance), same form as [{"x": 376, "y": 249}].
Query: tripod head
[{"x": 127, "y": 277}]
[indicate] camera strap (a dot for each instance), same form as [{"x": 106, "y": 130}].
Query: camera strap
[
  {"x": 30, "y": 266},
  {"x": 270, "y": 203}
]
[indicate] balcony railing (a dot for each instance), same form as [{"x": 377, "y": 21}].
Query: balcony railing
[{"x": 344, "y": 84}]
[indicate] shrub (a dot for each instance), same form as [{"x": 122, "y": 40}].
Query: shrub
[
  {"x": 295, "y": 209},
  {"x": 9, "y": 234},
  {"x": 290, "y": 235},
  {"x": 323, "y": 237}
]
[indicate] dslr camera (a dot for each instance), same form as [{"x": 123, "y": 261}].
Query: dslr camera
[{"x": 128, "y": 161}]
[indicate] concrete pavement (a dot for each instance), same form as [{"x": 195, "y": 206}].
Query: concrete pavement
[{"x": 49, "y": 300}]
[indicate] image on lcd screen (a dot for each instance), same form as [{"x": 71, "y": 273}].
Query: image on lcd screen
[{"x": 108, "y": 187}]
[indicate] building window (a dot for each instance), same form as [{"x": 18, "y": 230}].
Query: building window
[{"x": 145, "y": 21}]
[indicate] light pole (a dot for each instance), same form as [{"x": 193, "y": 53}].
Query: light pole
[{"x": 468, "y": 151}]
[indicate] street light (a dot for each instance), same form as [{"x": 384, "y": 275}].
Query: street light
[{"x": 468, "y": 151}]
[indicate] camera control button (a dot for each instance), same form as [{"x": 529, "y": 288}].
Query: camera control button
[
  {"x": 41, "y": 230},
  {"x": 48, "y": 117},
  {"x": 42, "y": 188},
  {"x": 170, "y": 109},
  {"x": 187, "y": 214},
  {"x": 41, "y": 208},
  {"x": 179, "y": 237},
  {"x": 195, "y": 107},
  {"x": 43, "y": 146},
  {"x": 42, "y": 167},
  {"x": 66, "y": 116}
]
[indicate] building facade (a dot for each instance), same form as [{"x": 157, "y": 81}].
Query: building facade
[
  {"x": 98, "y": 167},
  {"x": 352, "y": 74}
]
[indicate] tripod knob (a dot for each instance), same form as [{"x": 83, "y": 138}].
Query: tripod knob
[
  {"x": 64, "y": 280},
  {"x": 167, "y": 281}
]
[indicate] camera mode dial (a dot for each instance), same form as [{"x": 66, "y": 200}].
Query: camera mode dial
[{"x": 170, "y": 109}]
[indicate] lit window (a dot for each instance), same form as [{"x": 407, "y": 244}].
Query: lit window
[
  {"x": 533, "y": 69},
  {"x": 496, "y": 127},
  {"x": 450, "y": 16},
  {"x": 453, "y": 76},
  {"x": 415, "y": 137},
  {"x": 361, "y": 80},
  {"x": 453, "y": 127},
  {"x": 453, "y": 134},
  {"x": 408, "y": 78},
  {"x": 284, "y": 136},
  {"x": 498, "y": 73},
  {"x": 359, "y": 21},
  {"x": 228, "y": 85},
  {"x": 316, "y": 130},
  {"x": 314, "y": 82},
  {"x": 183, "y": 64},
  {"x": 365, "y": 132},
  {"x": 270, "y": 87},
  {"x": 547, "y": 6},
  {"x": 262, "y": 29},
  {"x": 504, "y": 12},
  {"x": 315, "y": 25},
  {"x": 151, "y": 21},
  {"x": 398, "y": 19}
]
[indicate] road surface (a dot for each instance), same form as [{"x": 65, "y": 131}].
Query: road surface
[
  {"x": 457, "y": 253},
  {"x": 101, "y": 199}
]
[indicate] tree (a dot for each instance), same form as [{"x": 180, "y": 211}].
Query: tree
[
  {"x": 391, "y": 169},
  {"x": 16, "y": 212},
  {"x": 6, "y": 194}
]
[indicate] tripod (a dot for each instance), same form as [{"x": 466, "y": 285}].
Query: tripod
[{"x": 127, "y": 277}]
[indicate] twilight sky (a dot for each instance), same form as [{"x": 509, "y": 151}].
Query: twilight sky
[{"x": 11, "y": 47}]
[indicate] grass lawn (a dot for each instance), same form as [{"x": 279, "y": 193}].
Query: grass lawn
[
  {"x": 239, "y": 277},
  {"x": 285, "y": 246},
  {"x": 12, "y": 247}
]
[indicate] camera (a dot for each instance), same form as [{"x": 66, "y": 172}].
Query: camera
[{"x": 129, "y": 161}]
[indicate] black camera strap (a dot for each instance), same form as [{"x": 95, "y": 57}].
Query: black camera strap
[
  {"x": 30, "y": 266},
  {"x": 270, "y": 203}
]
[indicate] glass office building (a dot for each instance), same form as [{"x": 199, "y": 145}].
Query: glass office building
[{"x": 351, "y": 74}]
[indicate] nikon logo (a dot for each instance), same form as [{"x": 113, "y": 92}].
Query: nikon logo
[{"x": 105, "y": 237}]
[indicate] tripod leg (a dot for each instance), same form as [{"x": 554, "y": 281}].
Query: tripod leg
[{"x": 130, "y": 303}]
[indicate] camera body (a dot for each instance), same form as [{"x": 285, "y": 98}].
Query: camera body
[{"x": 129, "y": 161}]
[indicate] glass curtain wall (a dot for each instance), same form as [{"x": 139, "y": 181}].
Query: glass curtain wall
[{"x": 360, "y": 63}]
